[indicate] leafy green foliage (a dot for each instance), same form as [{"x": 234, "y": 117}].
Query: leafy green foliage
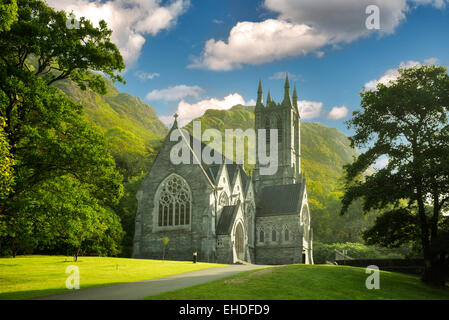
[
  {"x": 126, "y": 210},
  {"x": 322, "y": 253},
  {"x": 65, "y": 178},
  {"x": 6, "y": 164},
  {"x": 131, "y": 127},
  {"x": 8, "y": 14},
  {"x": 406, "y": 121},
  {"x": 393, "y": 229}
]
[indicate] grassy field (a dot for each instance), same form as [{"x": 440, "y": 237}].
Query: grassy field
[
  {"x": 26, "y": 277},
  {"x": 306, "y": 282}
]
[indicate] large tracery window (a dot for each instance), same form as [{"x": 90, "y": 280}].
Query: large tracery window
[{"x": 174, "y": 203}]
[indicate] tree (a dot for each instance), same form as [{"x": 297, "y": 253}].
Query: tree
[
  {"x": 406, "y": 121},
  {"x": 58, "y": 155},
  {"x": 6, "y": 164},
  {"x": 8, "y": 14}
]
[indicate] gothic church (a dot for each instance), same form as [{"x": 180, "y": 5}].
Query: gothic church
[{"x": 222, "y": 213}]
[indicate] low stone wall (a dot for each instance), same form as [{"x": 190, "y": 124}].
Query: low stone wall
[{"x": 410, "y": 266}]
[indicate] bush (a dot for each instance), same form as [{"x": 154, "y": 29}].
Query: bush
[{"x": 322, "y": 253}]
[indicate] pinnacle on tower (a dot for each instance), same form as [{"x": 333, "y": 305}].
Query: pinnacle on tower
[
  {"x": 287, "y": 100},
  {"x": 259, "y": 94},
  {"x": 295, "y": 98},
  {"x": 268, "y": 99},
  {"x": 287, "y": 83}
]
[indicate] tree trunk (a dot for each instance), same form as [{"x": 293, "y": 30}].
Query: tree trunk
[
  {"x": 77, "y": 253},
  {"x": 14, "y": 251}
]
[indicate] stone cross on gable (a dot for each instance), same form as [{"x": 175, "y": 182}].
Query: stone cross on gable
[{"x": 175, "y": 124}]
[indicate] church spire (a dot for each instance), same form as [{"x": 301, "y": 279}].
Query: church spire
[
  {"x": 259, "y": 95},
  {"x": 287, "y": 100},
  {"x": 295, "y": 99},
  {"x": 268, "y": 99}
]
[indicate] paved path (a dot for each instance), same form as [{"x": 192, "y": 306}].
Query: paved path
[{"x": 142, "y": 289}]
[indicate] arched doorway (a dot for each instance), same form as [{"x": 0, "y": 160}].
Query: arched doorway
[{"x": 239, "y": 242}]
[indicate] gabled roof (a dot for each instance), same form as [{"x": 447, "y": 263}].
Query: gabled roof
[
  {"x": 281, "y": 200},
  {"x": 227, "y": 219},
  {"x": 213, "y": 170}
]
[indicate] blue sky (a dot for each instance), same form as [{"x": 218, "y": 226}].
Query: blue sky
[{"x": 186, "y": 56}]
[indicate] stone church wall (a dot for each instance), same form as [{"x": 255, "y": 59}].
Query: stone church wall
[
  {"x": 182, "y": 243},
  {"x": 224, "y": 249},
  {"x": 279, "y": 251}
]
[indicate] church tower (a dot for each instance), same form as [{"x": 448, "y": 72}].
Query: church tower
[{"x": 285, "y": 117}]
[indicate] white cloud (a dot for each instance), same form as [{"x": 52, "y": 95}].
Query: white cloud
[
  {"x": 392, "y": 74},
  {"x": 281, "y": 76},
  {"x": 309, "y": 109},
  {"x": 187, "y": 112},
  {"x": 338, "y": 113},
  {"x": 175, "y": 93},
  {"x": 257, "y": 43},
  {"x": 381, "y": 163},
  {"x": 440, "y": 4},
  {"x": 146, "y": 76},
  {"x": 339, "y": 20},
  {"x": 130, "y": 20},
  {"x": 251, "y": 102},
  {"x": 302, "y": 27}
]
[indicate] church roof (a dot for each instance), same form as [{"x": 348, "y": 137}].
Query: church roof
[
  {"x": 213, "y": 170},
  {"x": 227, "y": 219},
  {"x": 281, "y": 200}
]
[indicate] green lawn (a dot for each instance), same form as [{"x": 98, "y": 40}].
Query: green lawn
[
  {"x": 26, "y": 277},
  {"x": 317, "y": 282}
]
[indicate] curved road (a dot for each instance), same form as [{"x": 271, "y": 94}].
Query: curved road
[{"x": 145, "y": 288}]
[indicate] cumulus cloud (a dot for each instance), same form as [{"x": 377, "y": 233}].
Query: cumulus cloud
[
  {"x": 339, "y": 20},
  {"x": 302, "y": 27},
  {"x": 175, "y": 93},
  {"x": 392, "y": 74},
  {"x": 146, "y": 76},
  {"x": 187, "y": 112},
  {"x": 130, "y": 20},
  {"x": 257, "y": 43},
  {"x": 309, "y": 109},
  {"x": 338, "y": 113}
]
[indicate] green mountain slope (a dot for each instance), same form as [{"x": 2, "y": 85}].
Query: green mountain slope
[{"x": 132, "y": 127}]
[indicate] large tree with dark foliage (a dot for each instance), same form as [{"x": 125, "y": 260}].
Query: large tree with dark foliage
[
  {"x": 64, "y": 177},
  {"x": 407, "y": 121}
]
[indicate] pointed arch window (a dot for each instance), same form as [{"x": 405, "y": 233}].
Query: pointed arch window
[
  {"x": 174, "y": 202},
  {"x": 286, "y": 235},
  {"x": 261, "y": 236},
  {"x": 273, "y": 235},
  {"x": 224, "y": 199}
]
